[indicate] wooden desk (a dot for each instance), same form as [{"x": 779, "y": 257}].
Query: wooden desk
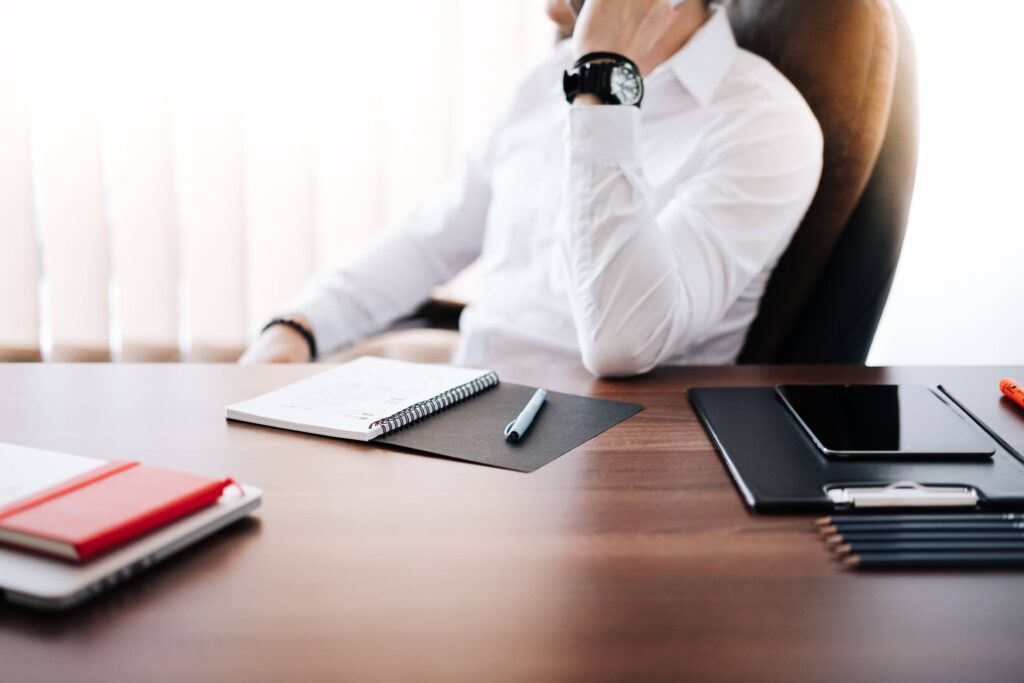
[{"x": 631, "y": 558}]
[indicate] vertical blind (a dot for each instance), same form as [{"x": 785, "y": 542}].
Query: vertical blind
[{"x": 172, "y": 171}]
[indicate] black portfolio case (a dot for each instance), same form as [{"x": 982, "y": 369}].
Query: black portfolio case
[{"x": 777, "y": 467}]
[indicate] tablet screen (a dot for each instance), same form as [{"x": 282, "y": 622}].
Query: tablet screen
[{"x": 883, "y": 420}]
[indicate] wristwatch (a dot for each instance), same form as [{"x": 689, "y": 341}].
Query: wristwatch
[{"x": 611, "y": 77}]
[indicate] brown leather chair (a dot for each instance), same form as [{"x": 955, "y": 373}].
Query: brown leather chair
[{"x": 854, "y": 62}]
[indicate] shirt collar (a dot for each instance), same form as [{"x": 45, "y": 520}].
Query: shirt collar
[{"x": 703, "y": 62}]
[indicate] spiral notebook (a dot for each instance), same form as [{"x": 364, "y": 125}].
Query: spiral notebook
[{"x": 454, "y": 412}]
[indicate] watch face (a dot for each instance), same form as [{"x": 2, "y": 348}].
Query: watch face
[{"x": 626, "y": 84}]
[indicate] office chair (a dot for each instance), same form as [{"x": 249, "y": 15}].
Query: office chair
[{"x": 854, "y": 62}]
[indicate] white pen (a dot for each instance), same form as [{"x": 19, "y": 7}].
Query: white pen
[{"x": 517, "y": 427}]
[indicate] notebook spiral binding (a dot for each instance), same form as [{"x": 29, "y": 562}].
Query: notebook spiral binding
[{"x": 424, "y": 409}]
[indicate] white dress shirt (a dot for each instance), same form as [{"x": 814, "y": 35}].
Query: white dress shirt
[{"x": 612, "y": 236}]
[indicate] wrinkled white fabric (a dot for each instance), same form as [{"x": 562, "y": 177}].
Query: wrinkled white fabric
[{"x": 612, "y": 236}]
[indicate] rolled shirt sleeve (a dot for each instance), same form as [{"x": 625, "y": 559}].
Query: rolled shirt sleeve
[{"x": 396, "y": 273}]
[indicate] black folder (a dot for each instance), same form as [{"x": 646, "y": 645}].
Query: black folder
[{"x": 777, "y": 468}]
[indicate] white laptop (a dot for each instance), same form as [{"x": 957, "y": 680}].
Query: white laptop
[{"x": 39, "y": 582}]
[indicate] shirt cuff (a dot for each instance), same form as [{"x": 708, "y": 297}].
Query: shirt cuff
[
  {"x": 604, "y": 134},
  {"x": 325, "y": 321}
]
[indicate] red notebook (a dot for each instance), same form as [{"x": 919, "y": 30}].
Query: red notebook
[{"x": 104, "y": 508}]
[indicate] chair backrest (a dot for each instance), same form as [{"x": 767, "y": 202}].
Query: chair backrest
[{"x": 853, "y": 60}]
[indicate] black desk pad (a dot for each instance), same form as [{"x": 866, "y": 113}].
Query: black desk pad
[
  {"x": 778, "y": 469},
  {"x": 473, "y": 431},
  {"x": 981, "y": 398}
]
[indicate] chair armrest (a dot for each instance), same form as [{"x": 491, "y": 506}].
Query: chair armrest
[{"x": 439, "y": 314}]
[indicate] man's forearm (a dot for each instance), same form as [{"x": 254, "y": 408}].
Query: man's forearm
[
  {"x": 626, "y": 294},
  {"x": 397, "y": 272},
  {"x": 648, "y": 279}
]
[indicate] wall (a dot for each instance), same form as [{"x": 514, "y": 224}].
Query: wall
[{"x": 958, "y": 297}]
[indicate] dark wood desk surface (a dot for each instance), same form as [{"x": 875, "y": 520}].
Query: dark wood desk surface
[{"x": 631, "y": 558}]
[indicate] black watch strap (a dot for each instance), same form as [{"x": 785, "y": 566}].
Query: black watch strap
[
  {"x": 298, "y": 327},
  {"x": 614, "y": 57}
]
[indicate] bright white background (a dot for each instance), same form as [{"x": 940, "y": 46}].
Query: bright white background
[
  {"x": 170, "y": 171},
  {"x": 959, "y": 292}
]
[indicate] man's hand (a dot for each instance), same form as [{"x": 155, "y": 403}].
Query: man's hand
[
  {"x": 279, "y": 344},
  {"x": 627, "y": 27}
]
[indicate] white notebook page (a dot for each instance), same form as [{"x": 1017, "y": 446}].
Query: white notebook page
[
  {"x": 343, "y": 402},
  {"x": 24, "y": 471}
]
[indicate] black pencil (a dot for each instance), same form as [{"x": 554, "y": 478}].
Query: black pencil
[
  {"x": 860, "y": 547},
  {"x": 920, "y": 526},
  {"x": 921, "y": 560},
  {"x": 854, "y": 537},
  {"x": 952, "y": 517}
]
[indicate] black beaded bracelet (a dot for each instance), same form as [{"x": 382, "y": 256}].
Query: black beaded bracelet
[{"x": 298, "y": 327}]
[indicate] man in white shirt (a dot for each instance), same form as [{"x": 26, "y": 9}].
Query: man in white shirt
[{"x": 617, "y": 236}]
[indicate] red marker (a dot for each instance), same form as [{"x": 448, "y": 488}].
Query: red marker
[{"x": 1013, "y": 391}]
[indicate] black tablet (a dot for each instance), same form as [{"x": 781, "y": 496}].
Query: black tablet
[{"x": 891, "y": 421}]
